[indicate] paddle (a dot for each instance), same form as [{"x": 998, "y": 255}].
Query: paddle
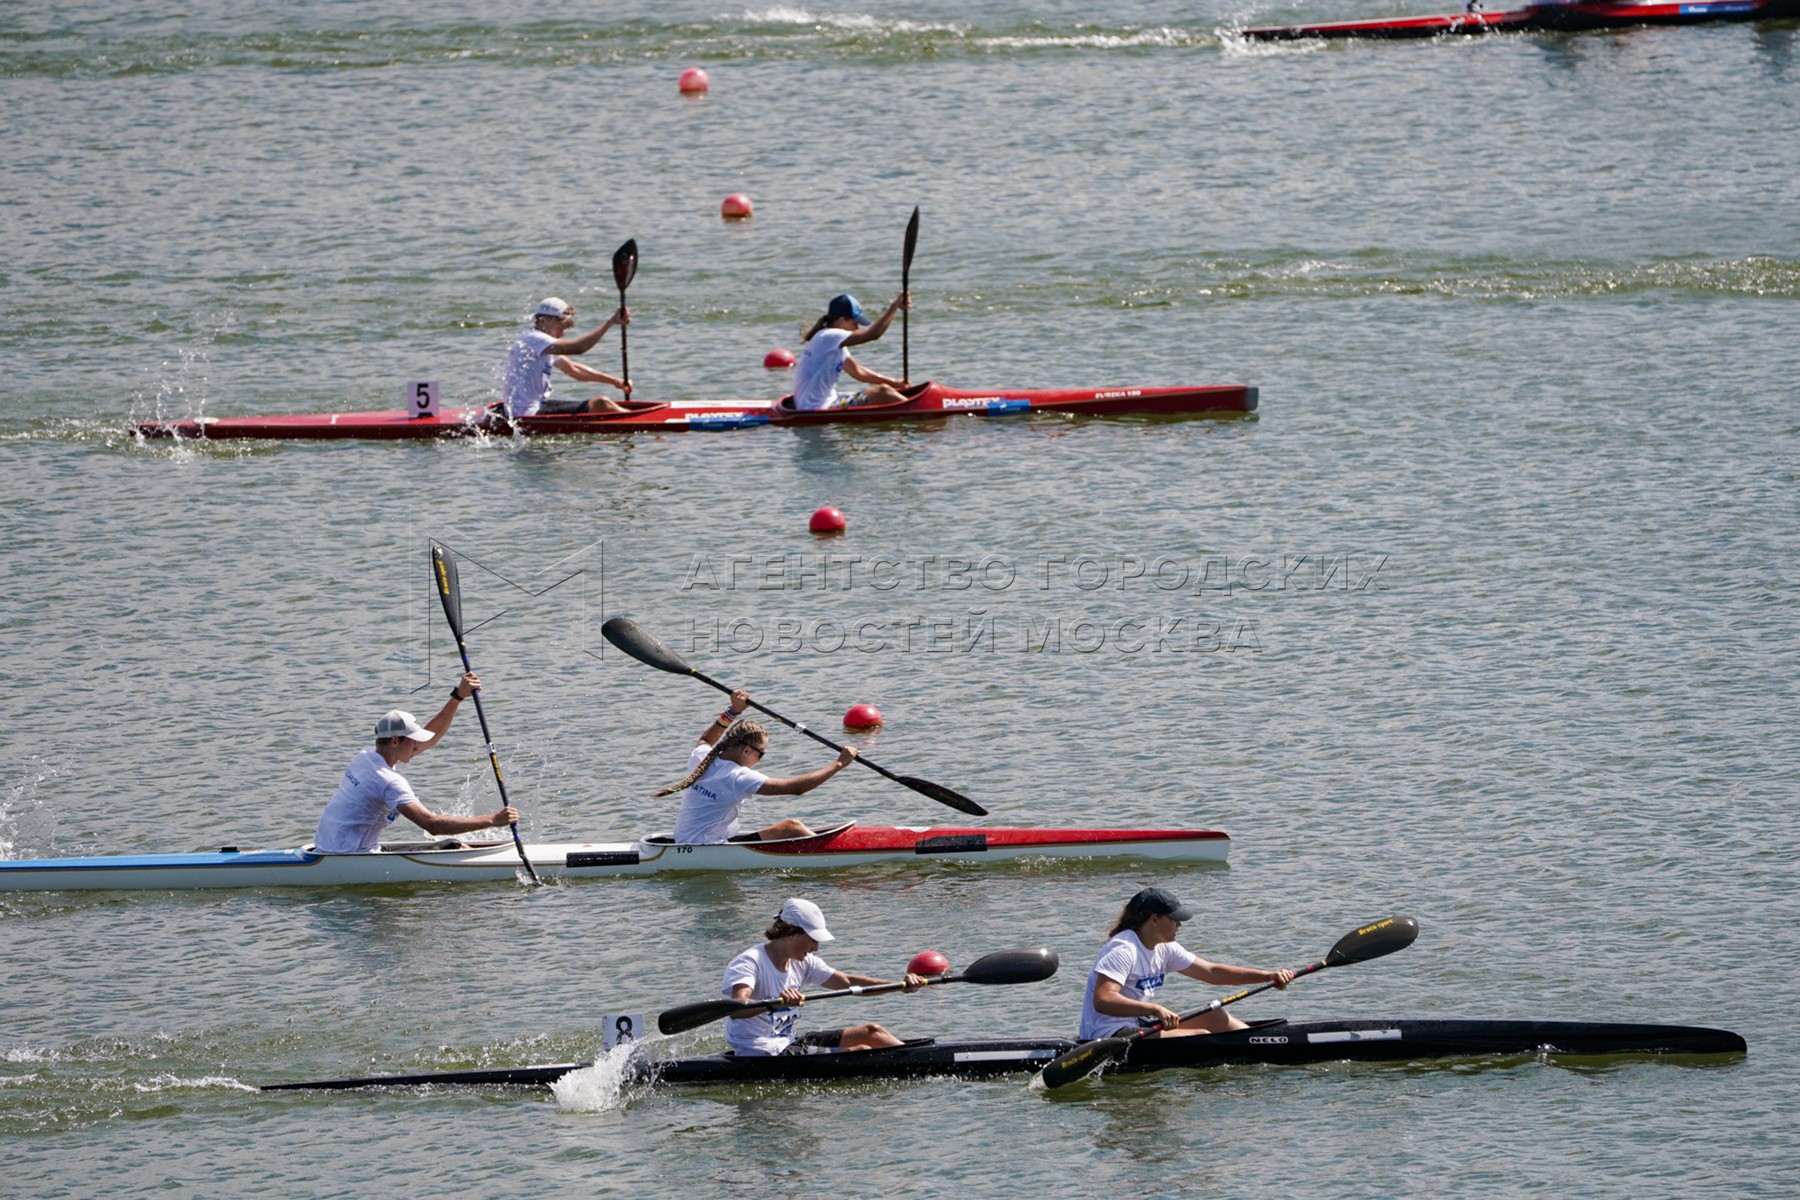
[
  {"x": 906, "y": 257},
  {"x": 443, "y": 570},
  {"x": 624, "y": 271},
  {"x": 1005, "y": 966},
  {"x": 642, "y": 645},
  {"x": 1359, "y": 945}
]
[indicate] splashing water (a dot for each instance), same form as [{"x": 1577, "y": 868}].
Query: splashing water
[
  {"x": 21, "y": 811},
  {"x": 610, "y": 1082}
]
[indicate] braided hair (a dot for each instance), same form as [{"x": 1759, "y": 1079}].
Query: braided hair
[{"x": 743, "y": 733}]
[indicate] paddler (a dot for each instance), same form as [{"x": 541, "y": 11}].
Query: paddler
[
  {"x": 720, "y": 778},
  {"x": 1132, "y": 966},
  {"x": 373, "y": 792},
  {"x": 787, "y": 962},
  {"x": 526, "y": 385},
  {"x": 826, "y": 355}
]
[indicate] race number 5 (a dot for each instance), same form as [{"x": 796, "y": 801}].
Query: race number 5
[
  {"x": 422, "y": 398},
  {"x": 618, "y": 1030}
]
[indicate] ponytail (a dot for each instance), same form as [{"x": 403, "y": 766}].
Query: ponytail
[{"x": 739, "y": 734}]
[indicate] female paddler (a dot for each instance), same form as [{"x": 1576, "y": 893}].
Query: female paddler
[
  {"x": 1131, "y": 968},
  {"x": 786, "y": 962},
  {"x": 826, "y": 355},
  {"x": 720, "y": 779}
]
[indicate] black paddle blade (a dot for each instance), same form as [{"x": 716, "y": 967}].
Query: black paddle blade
[
  {"x": 912, "y": 241},
  {"x": 643, "y": 645},
  {"x": 1010, "y": 966},
  {"x": 443, "y": 573},
  {"x": 625, "y": 264},
  {"x": 1373, "y": 941},
  {"x": 936, "y": 791},
  {"x": 1083, "y": 1061},
  {"x": 693, "y": 1016}
]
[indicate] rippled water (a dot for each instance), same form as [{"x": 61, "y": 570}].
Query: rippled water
[{"x": 1487, "y": 617}]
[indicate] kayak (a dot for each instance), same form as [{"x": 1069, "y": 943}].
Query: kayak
[
  {"x": 846, "y": 845},
  {"x": 1276, "y": 1042},
  {"x": 929, "y": 401},
  {"x": 1582, "y": 14}
]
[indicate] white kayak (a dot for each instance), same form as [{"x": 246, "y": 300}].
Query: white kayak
[{"x": 475, "y": 862}]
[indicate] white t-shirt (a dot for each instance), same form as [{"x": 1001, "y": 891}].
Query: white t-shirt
[
  {"x": 1137, "y": 971},
  {"x": 367, "y": 799},
  {"x": 768, "y": 1033},
  {"x": 816, "y": 372},
  {"x": 527, "y": 382},
  {"x": 709, "y": 808}
]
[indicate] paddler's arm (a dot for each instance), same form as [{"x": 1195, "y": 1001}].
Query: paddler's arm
[
  {"x": 911, "y": 983},
  {"x": 862, "y": 374},
  {"x": 1108, "y": 1002},
  {"x": 715, "y": 729},
  {"x": 590, "y": 339},
  {"x": 792, "y": 997},
  {"x": 440, "y": 724},
  {"x": 799, "y": 785},
  {"x": 1224, "y": 976},
  {"x": 870, "y": 333},
  {"x": 441, "y": 824},
  {"x": 587, "y": 374}
]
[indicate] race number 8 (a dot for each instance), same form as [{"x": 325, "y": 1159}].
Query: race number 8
[
  {"x": 620, "y": 1029},
  {"x": 422, "y": 398}
]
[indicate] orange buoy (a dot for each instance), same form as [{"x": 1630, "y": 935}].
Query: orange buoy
[
  {"x": 862, "y": 716},
  {"x": 827, "y": 520},
  {"x": 778, "y": 359},
  {"x": 736, "y": 207},
  {"x": 694, "y": 82},
  {"x": 928, "y": 962}
]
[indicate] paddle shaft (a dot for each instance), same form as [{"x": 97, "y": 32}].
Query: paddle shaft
[
  {"x": 1003, "y": 967},
  {"x": 447, "y": 592},
  {"x": 494, "y": 761},
  {"x": 643, "y": 646},
  {"x": 625, "y": 348},
  {"x": 906, "y": 257}
]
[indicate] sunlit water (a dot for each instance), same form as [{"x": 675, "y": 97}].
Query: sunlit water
[{"x": 1487, "y": 617}]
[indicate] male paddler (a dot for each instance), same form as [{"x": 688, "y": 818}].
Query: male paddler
[{"x": 372, "y": 792}]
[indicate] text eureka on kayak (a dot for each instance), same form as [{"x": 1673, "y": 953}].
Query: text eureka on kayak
[
  {"x": 1087, "y": 573},
  {"x": 978, "y": 632}
]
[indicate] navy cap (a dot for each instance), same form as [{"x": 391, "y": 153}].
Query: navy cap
[
  {"x": 845, "y": 305},
  {"x": 1157, "y": 902}
]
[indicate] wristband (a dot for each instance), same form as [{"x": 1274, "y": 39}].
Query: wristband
[
  {"x": 454, "y": 695},
  {"x": 724, "y": 721}
]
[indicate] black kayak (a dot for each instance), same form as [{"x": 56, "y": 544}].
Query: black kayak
[{"x": 1277, "y": 1042}]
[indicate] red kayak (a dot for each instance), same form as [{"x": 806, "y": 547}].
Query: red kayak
[
  {"x": 928, "y": 401},
  {"x": 1581, "y": 14}
]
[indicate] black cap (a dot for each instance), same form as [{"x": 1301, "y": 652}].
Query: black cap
[{"x": 1155, "y": 901}]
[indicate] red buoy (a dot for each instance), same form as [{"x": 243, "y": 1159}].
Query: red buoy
[
  {"x": 736, "y": 207},
  {"x": 862, "y": 716},
  {"x": 694, "y": 82},
  {"x": 827, "y": 520},
  {"x": 778, "y": 359},
  {"x": 928, "y": 962}
]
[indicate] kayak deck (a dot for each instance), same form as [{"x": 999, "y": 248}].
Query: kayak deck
[
  {"x": 475, "y": 862},
  {"x": 1274, "y": 1042},
  {"x": 1581, "y": 15},
  {"x": 928, "y": 401}
]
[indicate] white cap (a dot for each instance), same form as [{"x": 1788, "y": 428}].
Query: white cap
[
  {"x": 394, "y": 723},
  {"x": 805, "y": 915},
  {"x": 553, "y": 306}
]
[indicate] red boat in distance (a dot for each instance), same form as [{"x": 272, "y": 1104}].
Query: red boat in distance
[
  {"x": 924, "y": 402},
  {"x": 1575, "y": 15}
]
